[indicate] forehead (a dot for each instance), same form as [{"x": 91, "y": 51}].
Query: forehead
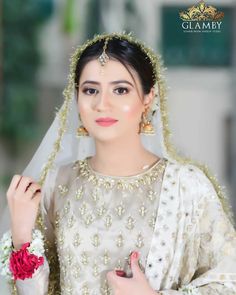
[{"x": 113, "y": 70}]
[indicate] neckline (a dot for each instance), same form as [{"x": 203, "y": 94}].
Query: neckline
[
  {"x": 152, "y": 174},
  {"x": 147, "y": 170}
]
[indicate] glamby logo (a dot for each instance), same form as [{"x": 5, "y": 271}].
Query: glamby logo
[{"x": 201, "y": 18}]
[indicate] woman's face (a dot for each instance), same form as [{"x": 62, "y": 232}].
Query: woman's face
[{"x": 111, "y": 100}]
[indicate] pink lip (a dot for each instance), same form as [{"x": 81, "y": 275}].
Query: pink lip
[
  {"x": 107, "y": 119},
  {"x": 102, "y": 123}
]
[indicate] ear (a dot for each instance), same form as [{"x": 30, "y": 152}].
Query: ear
[{"x": 148, "y": 98}]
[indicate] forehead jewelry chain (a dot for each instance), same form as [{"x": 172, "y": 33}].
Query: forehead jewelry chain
[{"x": 103, "y": 58}]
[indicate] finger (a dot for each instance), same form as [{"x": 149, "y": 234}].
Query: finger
[
  {"x": 24, "y": 183},
  {"x": 37, "y": 197},
  {"x": 13, "y": 185},
  {"x": 134, "y": 263},
  {"x": 112, "y": 278},
  {"x": 33, "y": 190},
  {"x": 115, "y": 280}
]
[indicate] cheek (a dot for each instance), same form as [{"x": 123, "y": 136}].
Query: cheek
[
  {"x": 131, "y": 111},
  {"x": 83, "y": 106}
]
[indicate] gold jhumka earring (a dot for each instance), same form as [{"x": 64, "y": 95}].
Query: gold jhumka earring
[
  {"x": 146, "y": 126},
  {"x": 103, "y": 58},
  {"x": 81, "y": 130}
]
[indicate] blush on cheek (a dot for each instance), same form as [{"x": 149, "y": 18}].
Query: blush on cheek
[
  {"x": 126, "y": 108},
  {"x": 131, "y": 111},
  {"x": 82, "y": 108}
]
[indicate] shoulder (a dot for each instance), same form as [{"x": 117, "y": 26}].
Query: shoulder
[
  {"x": 69, "y": 170},
  {"x": 62, "y": 172},
  {"x": 192, "y": 178}
]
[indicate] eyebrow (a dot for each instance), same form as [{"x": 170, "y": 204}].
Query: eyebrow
[{"x": 113, "y": 82}]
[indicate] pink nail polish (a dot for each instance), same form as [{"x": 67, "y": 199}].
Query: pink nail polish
[{"x": 135, "y": 255}]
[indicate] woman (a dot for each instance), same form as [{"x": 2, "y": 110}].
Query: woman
[{"x": 121, "y": 213}]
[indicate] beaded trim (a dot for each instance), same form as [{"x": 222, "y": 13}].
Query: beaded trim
[{"x": 121, "y": 182}]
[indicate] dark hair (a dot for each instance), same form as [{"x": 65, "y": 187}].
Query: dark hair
[{"x": 127, "y": 53}]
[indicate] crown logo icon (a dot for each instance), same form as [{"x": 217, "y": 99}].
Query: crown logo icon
[{"x": 201, "y": 12}]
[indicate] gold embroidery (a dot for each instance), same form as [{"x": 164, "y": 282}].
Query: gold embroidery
[
  {"x": 71, "y": 221},
  {"x": 139, "y": 242},
  {"x": 84, "y": 258},
  {"x": 130, "y": 222},
  {"x": 79, "y": 193},
  {"x": 105, "y": 289},
  {"x": 119, "y": 240},
  {"x": 89, "y": 219},
  {"x": 76, "y": 271},
  {"x": 96, "y": 240},
  {"x": 63, "y": 189},
  {"x": 77, "y": 240},
  {"x": 152, "y": 221},
  {"x": 108, "y": 221},
  {"x": 120, "y": 209},
  {"x": 95, "y": 269},
  {"x": 66, "y": 208},
  {"x": 83, "y": 208},
  {"x": 125, "y": 183},
  {"x": 106, "y": 258},
  {"x": 151, "y": 195},
  {"x": 101, "y": 211},
  {"x": 142, "y": 210},
  {"x": 85, "y": 290}
]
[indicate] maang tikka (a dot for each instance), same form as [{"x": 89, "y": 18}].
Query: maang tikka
[{"x": 103, "y": 58}]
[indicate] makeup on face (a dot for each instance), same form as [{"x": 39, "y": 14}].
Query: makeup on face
[{"x": 111, "y": 100}]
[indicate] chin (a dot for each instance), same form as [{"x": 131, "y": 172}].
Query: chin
[{"x": 105, "y": 136}]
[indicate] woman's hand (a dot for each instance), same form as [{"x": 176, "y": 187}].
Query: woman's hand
[
  {"x": 23, "y": 197},
  {"x": 137, "y": 285}
]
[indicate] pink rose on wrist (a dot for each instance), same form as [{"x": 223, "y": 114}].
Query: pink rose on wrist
[{"x": 23, "y": 264}]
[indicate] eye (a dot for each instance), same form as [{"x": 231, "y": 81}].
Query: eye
[
  {"x": 90, "y": 91},
  {"x": 121, "y": 90}
]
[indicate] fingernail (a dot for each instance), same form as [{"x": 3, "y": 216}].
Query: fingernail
[
  {"x": 120, "y": 273},
  {"x": 135, "y": 255}
]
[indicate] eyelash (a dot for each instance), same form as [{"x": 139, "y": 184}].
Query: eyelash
[{"x": 85, "y": 90}]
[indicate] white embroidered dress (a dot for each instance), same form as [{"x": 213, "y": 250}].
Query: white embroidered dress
[{"x": 170, "y": 213}]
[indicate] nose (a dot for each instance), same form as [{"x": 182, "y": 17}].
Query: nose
[{"x": 101, "y": 102}]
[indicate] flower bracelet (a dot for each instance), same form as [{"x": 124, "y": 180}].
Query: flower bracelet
[{"x": 22, "y": 263}]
